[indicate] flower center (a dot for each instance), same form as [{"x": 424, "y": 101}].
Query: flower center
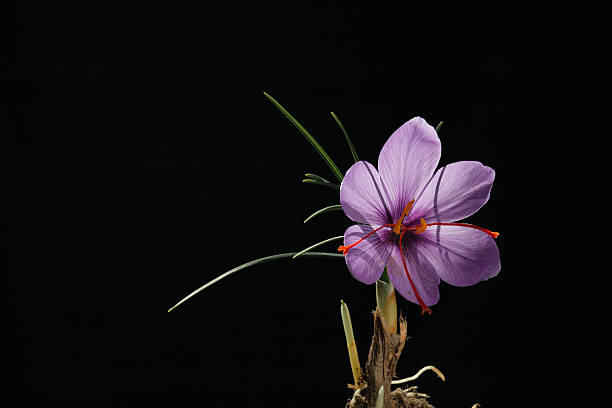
[
  {"x": 399, "y": 229},
  {"x": 398, "y": 224}
]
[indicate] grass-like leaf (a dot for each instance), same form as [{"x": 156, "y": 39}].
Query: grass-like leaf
[
  {"x": 351, "y": 345},
  {"x": 302, "y": 252},
  {"x": 255, "y": 262},
  {"x": 330, "y": 185},
  {"x": 439, "y": 126},
  {"x": 335, "y": 207},
  {"x": 309, "y": 137},
  {"x": 348, "y": 139},
  {"x": 315, "y": 177}
]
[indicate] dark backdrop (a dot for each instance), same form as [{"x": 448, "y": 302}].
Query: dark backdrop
[{"x": 149, "y": 162}]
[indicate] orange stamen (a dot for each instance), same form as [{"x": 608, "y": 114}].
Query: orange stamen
[
  {"x": 424, "y": 307},
  {"x": 421, "y": 228},
  {"x": 398, "y": 223}
]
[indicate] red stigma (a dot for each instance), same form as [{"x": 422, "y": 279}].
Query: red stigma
[
  {"x": 459, "y": 224},
  {"x": 424, "y": 307},
  {"x": 345, "y": 248}
]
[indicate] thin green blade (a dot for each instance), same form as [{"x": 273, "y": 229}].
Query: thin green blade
[
  {"x": 439, "y": 126},
  {"x": 309, "y": 137},
  {"x": 348, "y": 139},
  {"x": 335, "y": 207},
  {"x": 318, "y": 244},
  {"x": 315, "y": 177},
  {"x": 330, "y": 185},
  {"x": 251, "y": 263}
]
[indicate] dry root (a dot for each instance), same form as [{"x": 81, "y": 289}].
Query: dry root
[{"x": 385, "y": 351}]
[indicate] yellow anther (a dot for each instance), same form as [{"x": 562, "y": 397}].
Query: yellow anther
[
  {"x": 421, "y": 228},
  {"x": 398, "y": 224}
]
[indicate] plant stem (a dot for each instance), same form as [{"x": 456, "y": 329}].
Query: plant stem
[{"x": 387, "y": 304}]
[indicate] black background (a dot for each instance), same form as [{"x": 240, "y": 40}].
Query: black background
[{"x": 148, "y": 162}]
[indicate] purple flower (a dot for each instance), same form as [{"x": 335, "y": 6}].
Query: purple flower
[{"x": 407, "y": 217}]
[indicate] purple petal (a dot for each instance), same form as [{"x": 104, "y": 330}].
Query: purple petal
[
  {"x": 460, "y": 256},
  {"x": 423, "y": 275},
  {"x": 367, "y": 259},
  {"x": 407, "y": 161},
  {"x": 362, "y": 196},
  {"x": 455, "y": 192}
]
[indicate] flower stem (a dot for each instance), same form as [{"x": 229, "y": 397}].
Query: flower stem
[
  {"x": 350, "y": 344},
  {"x": 387, "y": 304}
]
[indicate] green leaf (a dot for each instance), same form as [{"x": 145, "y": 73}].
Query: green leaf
[
  {"x": 385, "y": 276},
  {"x": 335, "y": 207},
  {"x": 439, "y": 126},
  {"x": 309, "y": 137},
  {"x": 251, "y": 263},
  {"x": 330, "y": 185},
  {"x": 351, "y": 345},
  {"x": 348, "y": 139},
  {"x": 315, "y": 177},
  {"x": 302, "y": 252}
]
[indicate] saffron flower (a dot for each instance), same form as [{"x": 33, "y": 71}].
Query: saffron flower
[{"x": 407, "y": 217}]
